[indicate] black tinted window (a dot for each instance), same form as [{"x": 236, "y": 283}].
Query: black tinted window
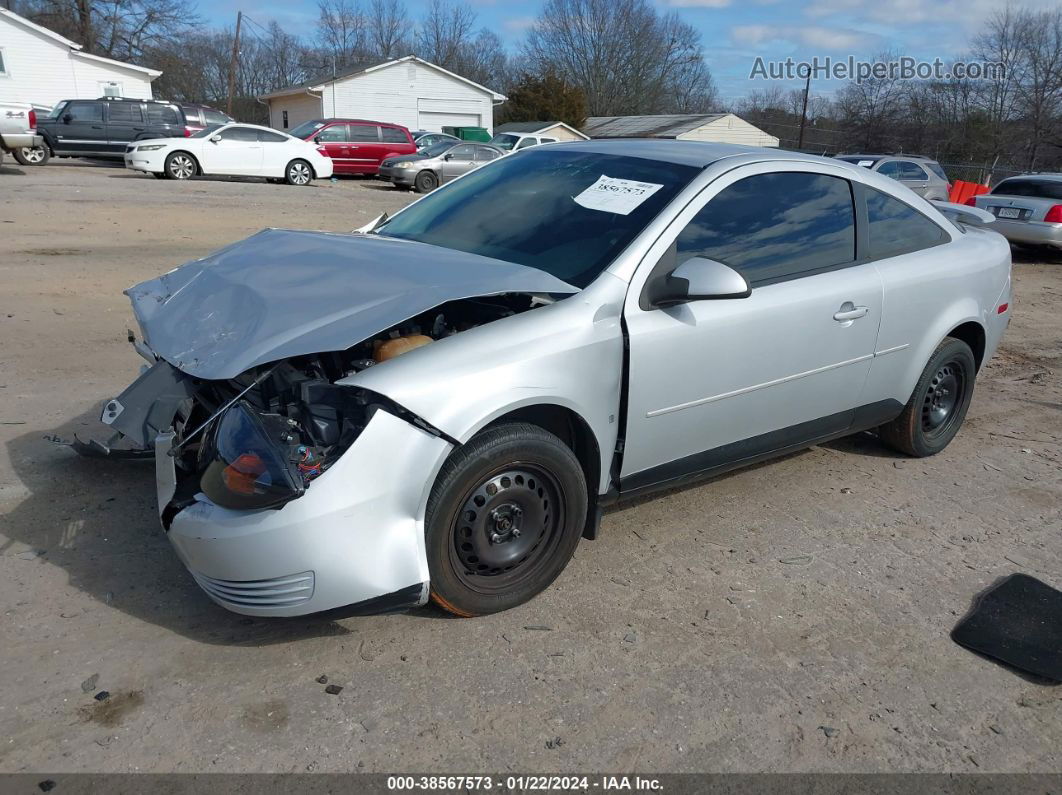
[
  {"x": 773, "y": 226},
  {"x": 211, "y": 116},
  {"x": 124, "y": 112},
  {"x": 165, "y": 114},
  {"x": 85, "y": 111},
  {"x": 1033, "y": 188},
  {"x": 271, "y": 137},
  {"x": 527, "y": 210},
  {"x": 337, "y": 133},
  {"x": 393, "y": 135},
  {"x": 891, "y": 169},
  {"x": 897, "y": 228},
  {"x": 364, "y": 132},
  {"x": 912, "y": 171},
  {"x": 239, "y": 134}
]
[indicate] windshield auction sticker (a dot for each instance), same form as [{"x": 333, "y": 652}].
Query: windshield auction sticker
[{"x": 614, "y": 195}]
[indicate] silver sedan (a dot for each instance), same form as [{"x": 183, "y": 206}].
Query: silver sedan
[
  {"x": 1028, "y": 209},
  {"x": 439, "y": 163},
  {"x": 440, "y": 405}
]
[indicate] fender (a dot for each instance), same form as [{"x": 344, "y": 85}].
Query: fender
[{"x": 568, "y": 354}]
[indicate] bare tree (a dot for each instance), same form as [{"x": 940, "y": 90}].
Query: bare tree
[
  {"x": 387, "y": 26},
  {"x": 445, "y": 34},
  {"x": 341, "y": 32}
]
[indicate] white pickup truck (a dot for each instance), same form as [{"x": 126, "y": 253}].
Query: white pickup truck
[{"x": 18, "y": 133}]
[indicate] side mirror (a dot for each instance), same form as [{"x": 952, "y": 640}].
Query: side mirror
[
  {"x": 699, "y": 279},
  {"x": 215, "y": 138},
  {"x": 67, "y": 118},
  {"x": 448, "y": 157},
  {"x": 317, "y": 140}
]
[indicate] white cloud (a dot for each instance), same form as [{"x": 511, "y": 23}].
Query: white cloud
[
  {"x": 823, "y": 38},
  {"x": 518, "y": 24}
]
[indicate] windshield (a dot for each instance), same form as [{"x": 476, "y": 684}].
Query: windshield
[
  {"x": 1033, "y": 188},
  {"x": 505, "y": 141},
  {"x": 57, "y": 110},
  {"x": 538, "y": 209},
  {"x": 306, "y": 129},
  {"x": 207, "y": 131}
]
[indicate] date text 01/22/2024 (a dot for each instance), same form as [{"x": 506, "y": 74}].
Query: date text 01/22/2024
[{"x": 523, "y": 783}]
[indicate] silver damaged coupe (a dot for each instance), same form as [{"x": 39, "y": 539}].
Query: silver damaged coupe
[{"x": 438, "y": 405}]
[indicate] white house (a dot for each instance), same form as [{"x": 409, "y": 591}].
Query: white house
[
  {"x": 408, "y": 91},
  {"x": 722, "y": 128},
  {"x": 40, "y": 67}
]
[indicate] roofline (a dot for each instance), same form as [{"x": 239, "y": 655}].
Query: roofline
[
  {"x": 51, "y": 34},
  {"x": 494, "y": 95},
  {"x": 121, "y": 64}
]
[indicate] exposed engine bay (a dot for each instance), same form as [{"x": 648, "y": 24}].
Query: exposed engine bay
[{"x": 260, "y": 439}]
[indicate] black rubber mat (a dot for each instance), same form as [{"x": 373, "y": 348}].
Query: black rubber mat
[{"x": 1019, "y": 622}]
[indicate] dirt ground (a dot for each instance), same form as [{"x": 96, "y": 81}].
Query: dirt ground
[{"x": 789, "y": 617}]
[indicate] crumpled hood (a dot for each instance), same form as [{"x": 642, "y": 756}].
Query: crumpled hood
[{"x": 283, "y": 293}]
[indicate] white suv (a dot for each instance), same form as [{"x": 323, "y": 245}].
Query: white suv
[{"x": 511, "y": 141}]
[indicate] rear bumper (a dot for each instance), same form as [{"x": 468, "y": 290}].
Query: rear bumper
[
  {"x": 14, "y": 141},
  {"x": 1035, "y": 233}
]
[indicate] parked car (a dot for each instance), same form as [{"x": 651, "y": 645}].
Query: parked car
[
  {"x": 1028, "y": 209},
  {"x": 18, "y": 131},
  {"x": 196, "y": 117},
  {"x": 512, "y": 141},
  {"x": 444, "y": 161},
  {"x": 440, "y": 404},
  {"x": 231, "y": 149},
  {"x": 104, "y": 127},
  {"x": 423, "y": 139},
  {"x": 921, "y": 174},
  {"x": 357, "y": 146}
]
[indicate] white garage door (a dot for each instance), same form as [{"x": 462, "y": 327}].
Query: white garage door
[{"x": 434, "y": 121}]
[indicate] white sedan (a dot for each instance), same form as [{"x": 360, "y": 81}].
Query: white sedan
[{"x": 245, "y": 150}]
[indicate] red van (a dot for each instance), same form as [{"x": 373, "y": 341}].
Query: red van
[{"x": 356, "y": 146}]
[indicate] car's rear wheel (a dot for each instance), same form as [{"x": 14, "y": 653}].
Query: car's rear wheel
[
  {"x": 426, "y": 182},
  {"x": 938, "y": 404},
  {"x": 32, "y": 155},
  {"x": 503, "y": 519},
  {"x": 298, "y": 172},
  {"x": 180, "y": 165}
]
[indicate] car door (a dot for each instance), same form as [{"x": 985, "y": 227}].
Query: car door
[
  {"x": 235, "y": 151},
  {"x": 366, "y": 150},
  {"x": 125, "y": 123},
  {"x": 715, "y": 382},
  {"x": 277, "y": 152},
  {"x": 81, "y": 128},
  {"x": 335, "y": 138},
  {"x": 485, "y": 154},
  {"x": 459, "y": 160},
  {"x": 914, "y": 177}
]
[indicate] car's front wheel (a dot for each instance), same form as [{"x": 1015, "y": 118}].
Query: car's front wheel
[
  {"x": 180, "y": 165},
  {"x": 503, "y": 519},
  {"x": 298, "y": 172},
  {"x": 938, "y": 404},
  {"x": 32, "y": 155},
  {"x": 426, "y": 182}
]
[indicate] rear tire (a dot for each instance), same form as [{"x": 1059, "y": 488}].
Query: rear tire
[
  {"x": 180, "y": 165},
  {"x": 32, "y": 155},
  {"x": 503, "y": 519},
  {"x": 938, "y": 404},
  {"x": 426, "y": 182},
  {"x": 298, "y": 172}
]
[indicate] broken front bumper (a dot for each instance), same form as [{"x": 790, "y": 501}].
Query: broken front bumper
[{"x": 354, "y": 539}]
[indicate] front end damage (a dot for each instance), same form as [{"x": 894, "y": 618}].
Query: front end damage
[{"x": 283, "y": 491}]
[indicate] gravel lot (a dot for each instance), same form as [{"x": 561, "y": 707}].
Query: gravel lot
[{"x": 789, "y": 617}]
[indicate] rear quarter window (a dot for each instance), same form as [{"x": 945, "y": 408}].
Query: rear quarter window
[
  {"x": 164, "y": 114},
  {"x": 393, "y": 135},
  {"x": 895, "y": 228}
]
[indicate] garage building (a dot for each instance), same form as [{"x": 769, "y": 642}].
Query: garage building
[
  {"x": 722, "y": 128},
  {"x": 408, "y": 91}
]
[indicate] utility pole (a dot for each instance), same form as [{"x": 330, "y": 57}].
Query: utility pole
[
  {"x": 232, "y": 62},
  {"x": 804, "y": 112}
]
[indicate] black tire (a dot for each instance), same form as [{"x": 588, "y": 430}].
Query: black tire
[
  {"x": 503, "y": 519},
  {"x": 32, "y": 155},
  {"x": 426, "y": 182},
  {"x": 298, "y": 172},
  {"x": 180, "y": 165},
  {"x": 938, "y": 404}
]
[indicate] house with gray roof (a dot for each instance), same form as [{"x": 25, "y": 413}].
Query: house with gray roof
[{"x": 715, "y": 127}]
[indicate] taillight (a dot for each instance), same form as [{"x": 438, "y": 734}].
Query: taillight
[
  {"x": 33, "y": 119},
  {"x": 188, "y": 131},
  {"x": 971, "y": 202},
  {"x": 1002, "y": 308},
  {"x": 1054, "y": 215}
]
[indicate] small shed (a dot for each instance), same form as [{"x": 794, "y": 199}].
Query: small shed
[
  {"x": 724, "y": 128},
  {"x": 550, "y": 129},
  {"x": 409, "y": 91}
]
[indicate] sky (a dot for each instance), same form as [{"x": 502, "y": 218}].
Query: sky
[{"x": 733, "y": 32}]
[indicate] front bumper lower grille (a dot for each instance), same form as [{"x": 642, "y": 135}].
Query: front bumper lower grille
[{"x": 289, "y": 591}]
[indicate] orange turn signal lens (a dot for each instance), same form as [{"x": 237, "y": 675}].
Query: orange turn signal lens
[{"x": 239, "y": 477}]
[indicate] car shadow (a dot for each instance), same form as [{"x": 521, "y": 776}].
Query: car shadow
[
  {"x": 97, "y": 521},
  {"x": 6, "y": 169},
  {"x": 1026, "y": 255}
]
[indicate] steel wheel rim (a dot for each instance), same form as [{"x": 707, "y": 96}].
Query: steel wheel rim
[
  {"x": 944, "y": 396},
  {"x": 181, "y": 167},
  {"x": 34, "y": 155},
  {"x": 507, "y": 527},
  {"x": 300, "y": 173}
]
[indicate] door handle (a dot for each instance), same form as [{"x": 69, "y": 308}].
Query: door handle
[{"x": 849, "y": 312}]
